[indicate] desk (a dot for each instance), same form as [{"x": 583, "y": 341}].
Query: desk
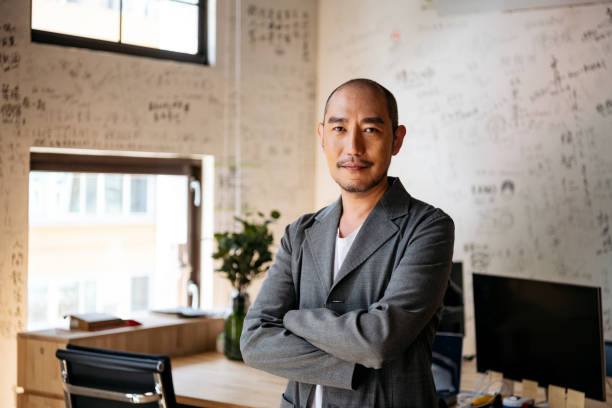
[
  {"x": 201, "y": 378},
  {"x": 210, "y": 380}
]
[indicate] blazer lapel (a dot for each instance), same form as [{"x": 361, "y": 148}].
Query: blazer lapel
[
  {"x": 321, "y": 238},
  {"x": 377, "y": 229}
]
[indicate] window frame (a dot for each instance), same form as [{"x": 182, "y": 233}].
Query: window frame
[
  {"x": 67, "y": 40},
  {"x": 85, "y": 163}
]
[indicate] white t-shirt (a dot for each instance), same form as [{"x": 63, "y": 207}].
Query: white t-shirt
[{"x": 342, "y": 247}]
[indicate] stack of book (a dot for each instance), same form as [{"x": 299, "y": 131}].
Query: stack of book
[{"x": 98, "y": 321}]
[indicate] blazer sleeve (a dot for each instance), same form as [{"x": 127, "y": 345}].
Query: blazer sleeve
[
  {"x": 388, "y": 327},
  {"x": 267, "y": 345}
]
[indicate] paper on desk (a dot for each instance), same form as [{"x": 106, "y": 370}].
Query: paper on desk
[
  {"x": 530, "y": 389},
  {"x": 575, "y": 399},
  {"x": 556, "y": 397}
]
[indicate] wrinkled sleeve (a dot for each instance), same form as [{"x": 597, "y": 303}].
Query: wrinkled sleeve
[
  {"x": 388, "y": 327},
  {"x": 267, "y": 345}
]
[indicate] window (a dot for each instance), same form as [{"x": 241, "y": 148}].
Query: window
[
  {"x": 167, "y": 29},
  {"x": 109, "y": 233}
]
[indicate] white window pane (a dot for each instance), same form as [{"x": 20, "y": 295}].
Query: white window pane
[
  {"x": 162, "y": 24},
  {"x": 68, "y": 302},
  {"x": 138, "y": 194},
  {"x": 97, "y": 19},
  {"x": 75, "y": 193},
  {"x": 113, "y": 193},
  {"x": 91, "y": 193},
  {"x": 38, "y": 298},
  {"x": 140, "y": 293},
  {"x": 89, "y": 294},
  {"x": 94, "y": 261}
]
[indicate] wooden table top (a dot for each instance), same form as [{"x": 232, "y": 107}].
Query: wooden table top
[{"x": 211, "y": 380}]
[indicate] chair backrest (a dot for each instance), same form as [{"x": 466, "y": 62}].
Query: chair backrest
[
  {"x": 447, "y": 352},
  {"x": 97, "y": 378},
  {"x": 608, "y": 354},
  {"x": 452, "y": 320}
]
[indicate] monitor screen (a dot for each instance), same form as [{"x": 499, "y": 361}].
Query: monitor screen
[{"x": 543, "y": 331}]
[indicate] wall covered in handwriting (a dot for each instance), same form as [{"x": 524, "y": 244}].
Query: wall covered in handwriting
[
  {"x": 508, "y": 119},
  {"x": 55, "y": 97}
]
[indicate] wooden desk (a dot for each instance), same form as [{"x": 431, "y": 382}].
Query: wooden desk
[{"x": 211, "y": 380}]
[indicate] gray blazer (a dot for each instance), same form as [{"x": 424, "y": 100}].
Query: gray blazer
[{"x": 366, "y": 337}]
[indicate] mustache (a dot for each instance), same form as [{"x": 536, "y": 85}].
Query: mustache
[{"x": 352, "y": 160}]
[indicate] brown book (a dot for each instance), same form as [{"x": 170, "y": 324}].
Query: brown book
[{"x": 94, "y": 321}]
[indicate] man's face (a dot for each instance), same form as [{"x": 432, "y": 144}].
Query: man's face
[{"x": 357, "y": 138}]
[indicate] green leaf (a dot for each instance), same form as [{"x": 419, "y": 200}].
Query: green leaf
[{"x": 246, "y": 254}]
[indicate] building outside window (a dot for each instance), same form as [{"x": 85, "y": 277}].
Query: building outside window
[{"x": 108, "y": 242}]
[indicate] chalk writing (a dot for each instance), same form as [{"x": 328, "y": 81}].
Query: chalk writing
[
  {"x": 604, "y": 108},
  {"x": 9, "y": 57},
  {"x": 587, "y": 68},
  {"x": 11, "y": 299},
  {"x": 480, "y": 256},
  {"x": 603, "y": 223},
  {"x": 496, "y": 220},
  {"x": 552, "y": 39},
  {"x": 10, "y": 111},
  {"x": 279, "y": 29},
  {"x": 441, "y": 25},
  {"x": 168, "y": 111},
  {"x": 490, "y": 193},
  {"x": 596, "y": 35},
  {"x": 13, "y": 104},
  {"x": 411, "y": 78},
  {"x": 549, "y": 21}
]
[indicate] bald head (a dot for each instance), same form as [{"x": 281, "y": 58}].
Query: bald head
[{"x": 375, "y": 86}]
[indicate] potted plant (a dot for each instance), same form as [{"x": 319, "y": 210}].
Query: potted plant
[{"x": 244, "y": 255}]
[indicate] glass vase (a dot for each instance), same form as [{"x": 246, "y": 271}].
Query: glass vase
[{"x": 233, "y": 325}]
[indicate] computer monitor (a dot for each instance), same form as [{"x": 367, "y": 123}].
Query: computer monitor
[{"x": 543, "y": 331}]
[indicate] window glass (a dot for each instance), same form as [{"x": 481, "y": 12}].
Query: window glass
[
  {"x": 91, "y": 195},
  {"x": 68, "y": 299},
  {"x": 113, "y": 193},
  {"x": 75, "y": 193},
  {"x": 138, "y": 194},
  {"x": 89, "y": 296},
  {"x": 120, "y": 259},
  {"x": 97, "y": 19},
  {"x": 140, "y": 293},
  {"x": 61, "y": 198},
  {"x": 163, "y": 24},
  {"x": 38, "y": 298}
]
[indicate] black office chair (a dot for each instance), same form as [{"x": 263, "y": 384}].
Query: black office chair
[
  {"x": 447, "y": 352},
  {"x": 97, "y": 378},
  {"x": 452, "y": 314}
]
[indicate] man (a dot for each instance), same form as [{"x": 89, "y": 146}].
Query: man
[{"x": 349, "y": 309}]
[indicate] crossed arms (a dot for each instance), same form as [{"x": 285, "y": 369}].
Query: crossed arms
[{"x": 318, "y": 346}]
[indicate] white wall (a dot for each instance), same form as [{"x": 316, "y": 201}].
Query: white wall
[
  {"x": 249, "y": 111},
  {"x": 521, "y": 98}
]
